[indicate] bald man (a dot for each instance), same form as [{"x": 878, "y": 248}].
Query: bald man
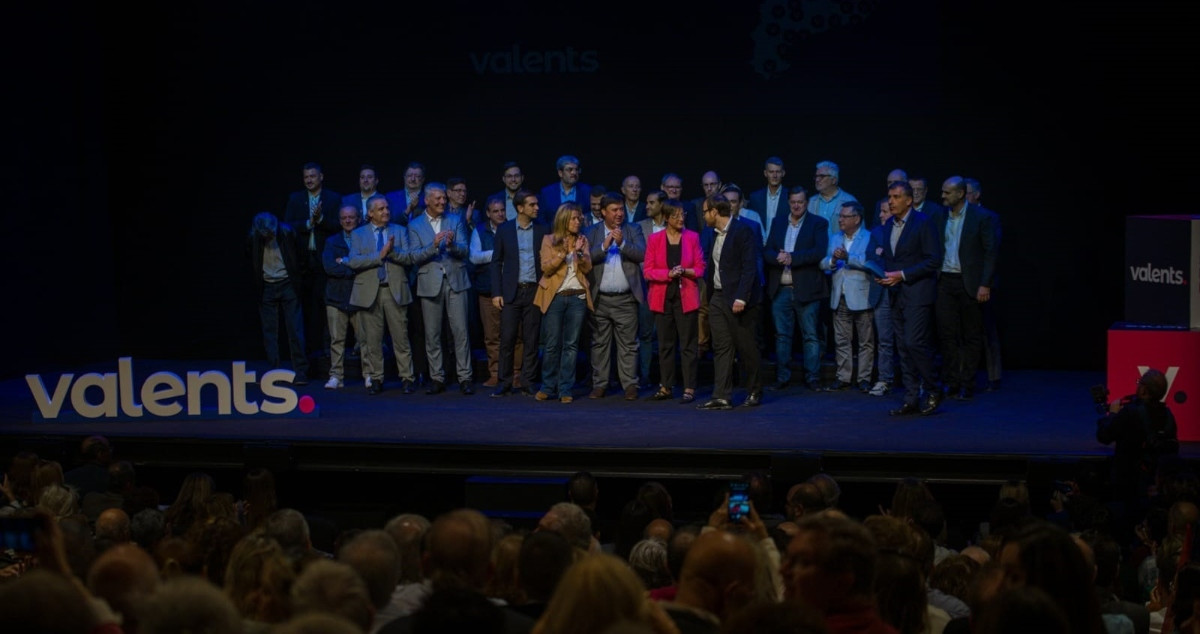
[
  {"x": 718, "y": 580},
  {"x": 124, "y": 576},
  {"x": 113, "y": 526}
]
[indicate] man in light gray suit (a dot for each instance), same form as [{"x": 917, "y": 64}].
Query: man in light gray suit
[
  {"x": 853, "y": 294},
  {"x": 379, "y": 252},
  {"x": 618, "y": 249},
  {"x": 438, "y": 243}
]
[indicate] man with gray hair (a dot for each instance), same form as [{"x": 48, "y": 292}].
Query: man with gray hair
[
  {"x": 189, "y": 604},
  {"x": 440, "y": 250},
  {"x": 275, "y": 268},
  {"x": 853, "y": 295},
  {"x": 830, "y": 196},
  {"x": 331, "y": 587},
  {"x": 570, "y": 521},
  {"x": 289, "y": 528}
]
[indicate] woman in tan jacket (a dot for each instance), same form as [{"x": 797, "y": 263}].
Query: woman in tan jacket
[{"x": 563, "y": 296}]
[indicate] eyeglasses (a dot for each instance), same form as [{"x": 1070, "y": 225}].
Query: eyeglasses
[
  {"x": 823, "y": 176},
  {"x": 847, "y": 216}
]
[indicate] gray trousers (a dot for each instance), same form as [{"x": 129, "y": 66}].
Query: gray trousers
[
  {"x": 615, "y": 320},
  {"x": 454, "y": 305},
  {"x": 372, "y": 321},
  {"x": 845, "y": 322},
  {"x": 339, "y": 320}
]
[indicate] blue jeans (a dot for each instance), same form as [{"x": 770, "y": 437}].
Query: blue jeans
[
  {"x": 560, "y": 342},
  {"x": 787, "y": 314}
]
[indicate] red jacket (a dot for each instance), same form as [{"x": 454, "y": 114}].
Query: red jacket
[{"x": 657, "y": 272}]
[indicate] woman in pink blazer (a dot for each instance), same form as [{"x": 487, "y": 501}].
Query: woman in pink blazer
[{"x": 673, "y": 264}]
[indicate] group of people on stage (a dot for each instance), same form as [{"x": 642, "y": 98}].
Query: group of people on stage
[{"x": 620, "y": 274}]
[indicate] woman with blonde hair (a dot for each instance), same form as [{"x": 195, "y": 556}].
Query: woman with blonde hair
[
  {"x": 259, "y": 580},
  {"x": 564, "y": 298},
  {"x": 597, "y": 592},
  {"x": 190, "y": 506}
]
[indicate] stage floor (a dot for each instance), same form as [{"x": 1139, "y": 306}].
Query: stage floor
[{"x": 1035, "y": 413}]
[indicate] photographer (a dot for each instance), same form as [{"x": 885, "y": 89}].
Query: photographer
[{"x": 1143, "y": 429}]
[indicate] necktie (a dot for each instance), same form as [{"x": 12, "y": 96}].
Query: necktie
[{"x": 379, "y": 247}]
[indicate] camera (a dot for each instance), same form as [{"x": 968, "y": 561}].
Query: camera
[{"x": 1100, "y": 399}]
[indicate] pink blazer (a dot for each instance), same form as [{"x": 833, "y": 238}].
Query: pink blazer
[{"x": 656, "y": 270}]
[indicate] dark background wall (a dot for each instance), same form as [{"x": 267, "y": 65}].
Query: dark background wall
[{"x": 143, "y": 141}]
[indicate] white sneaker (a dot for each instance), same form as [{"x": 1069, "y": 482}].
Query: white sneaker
[
  {"x": 881, "y": 389},
  {"x": 333, "y": 383},
  {"x": 368, "y": 382}
]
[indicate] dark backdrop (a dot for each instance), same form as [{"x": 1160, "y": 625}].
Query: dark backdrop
[{"x": 143, "y": 141}]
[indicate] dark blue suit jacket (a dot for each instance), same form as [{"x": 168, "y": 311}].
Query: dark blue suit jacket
[
  {"x": 339, "y": 278},
  {"x": 741, "y": 257},
  {"x": 506, "y": 258},
  {"x": 978, "y": 245},
  {"x": 809, "y": 283},
  {"x": 551, "y": 198},
  {"x": 918, "y": 254},
  {"x": 398, "y": 204},
  {"x": 758, "y": 202},
  {"x": 296, "y": 215}
]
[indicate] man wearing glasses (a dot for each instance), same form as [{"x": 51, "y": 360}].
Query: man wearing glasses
[{"x": 830, "y": 198}]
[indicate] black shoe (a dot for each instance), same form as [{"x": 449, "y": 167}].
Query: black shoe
[
  {"x": 814, "y": 386},
  {"x": 837, "y": 386},
  {"x": 466, "y": 388},
  {"x": 663, "y": 394},
  {"x": 754, "y": 400},
  {"x": 503, "y": 390},
  {"x": 524, "y": 391},
  {"x": 408, "y": 387},
  {"x": 778, "y": 385},
  {"x": 907, "y": 409},
  {"x": 964, "y": 394},
  {"x": 375, "y": 388},
  {"x": 993, "y": 386},
  {"x": 301, "y": 379},
  {"x": 715, "y": 404},
  {"x": 931, "y": 403},
  {"x": 437, "y": 387},
  {"x": 864, "y": 387}
]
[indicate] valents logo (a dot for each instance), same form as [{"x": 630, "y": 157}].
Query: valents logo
[
  {"x": 514, "y": 61},
  {"x": 1149, "y": 273},
  {"x": 167, "y": 395}
]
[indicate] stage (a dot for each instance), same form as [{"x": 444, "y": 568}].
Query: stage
[{"x": 1036, "y": 416}]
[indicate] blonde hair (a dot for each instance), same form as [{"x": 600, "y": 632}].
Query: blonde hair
[
  {"x": 259, "y": 579},
  {"x": 596, "y": 592},
  {"x": 562, "y": 219}
]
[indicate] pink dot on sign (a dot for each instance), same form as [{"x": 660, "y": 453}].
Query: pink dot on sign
[{"x": 307, "y": 404}]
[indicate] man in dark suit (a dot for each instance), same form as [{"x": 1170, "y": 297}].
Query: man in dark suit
[
  {"x": 313, "y": 214},
  {"x": 272, "y": 247},
  {"x": 734, "y": 294},
  {"x": 991, "y": 331},
  {"x": 631, "y": 190},
  {"x": 921, "y": 203},
  {"x": 673, "y": 185},
  {"x": 339, "y": 283},
  {"x": 404, "y": 203},
  {"x": 516, "y": 268},
  {"x": 912, "y": 257},
  {"x": 771, "y": 201},
  {"x": 618, "y": 249},
  {"x": 567, "y": 189},
  {"x": 970, "y": 246},
  {"x": 796, "y": 285},
  {"x": 368, "y": 185}
]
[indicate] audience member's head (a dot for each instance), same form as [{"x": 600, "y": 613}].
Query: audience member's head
[
  {"x": 1041, "y": 555},
  {"x": 804, "y": 498},
  {"x": 58, "y": 501},
  {"x": 899, "y": 586},
  {"x": 290, "y": 530},
  {"x": 830, "y": 491},
  {"x": 46, "y": 473},
  {"x": 124, "y": 576},
  {"x": 376, "y": 558},
  {"x": 543, "y": 560},
  {"x": 571, "y": 522},
  {"x": 504, "y": 581},
  {"x": 719, "y": 574},
  {"x": 212, "y": 544},
  {"x": 258, "y": 495},
  {"x": 259, "y": 579},
  {"x": 953, "y": 576},
  {"x": 458, "y": 551},
  {"x": 649, "y": 560},
  {"x": 113, "y": 526},
  {"x": 583, "y": 490},
  {"x": 830, "y": 563},
  {"x": 78, "y": 543},
  {"x": 147, "y": 527},
  {"x": 332, "y": 587},
  {"x": 190, "y": 505},
  {"x": 659, "y": 529},
  {"x": 1015, "y": 489},
  {"x": 20, "y": 476},
  {"x": 677, "y": 549},
  {"x": 46, "y": 602},
  {"x": 909, "y": 492},
  {"x": 596, "y": 592},
  {"x": 408, "y": 531},
  {"x": 189, "y": 604}
]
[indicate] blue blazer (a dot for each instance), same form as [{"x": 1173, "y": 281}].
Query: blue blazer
[
  {"x": 808, "y": 282},
  {"x": 339, "y": 278},
  {"x": 758, "y": 202},
  {"x": 434, "y": 263},
  {"x": 741, "y": 258},
  {"x": 551, "y": 198},
  {"x": 506, "y": 258},
  {"x": 918, "y": 254}
]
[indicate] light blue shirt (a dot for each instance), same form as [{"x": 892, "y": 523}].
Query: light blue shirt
[
  {"x": 829, "y": 209},
  {"x": 613, "y": 280},
  {"x": 510, "y": 210},
  {"x": 954, "y": 225},
  {"x": 563, "y": 196},
  {"x": 528, "y": 272}
]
